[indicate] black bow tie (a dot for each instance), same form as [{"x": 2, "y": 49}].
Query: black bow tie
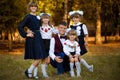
[
  {"x": 63, "y": 37},
  {"x": 73, "y": 27}
]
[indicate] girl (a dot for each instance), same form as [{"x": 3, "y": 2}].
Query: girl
[
  {"x": 46, "y": 31},
  {"x": 72, "y": 49},
  {"x": 82, "y": 32},
  {"x": 34, "y": 45}
]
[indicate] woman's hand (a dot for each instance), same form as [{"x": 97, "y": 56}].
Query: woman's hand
[{"x": 30, "y": 33}]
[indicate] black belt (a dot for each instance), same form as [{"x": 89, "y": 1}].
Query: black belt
[
  {"x": 72, "y": 53},
  {"x": 36, "y": 30}
]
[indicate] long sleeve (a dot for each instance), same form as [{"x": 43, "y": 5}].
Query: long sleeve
[
  {"x": 21, "y": 27},
  {"x": 85, "y": 29},
  {"x": 55, "y": 31},
  {"x": 51, "y": 51}
]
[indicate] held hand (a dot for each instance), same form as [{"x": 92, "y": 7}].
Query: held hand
[{"x": 58, "y": 59}]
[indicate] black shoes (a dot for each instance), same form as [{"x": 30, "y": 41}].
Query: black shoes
[{"x": 27, "y": 74}]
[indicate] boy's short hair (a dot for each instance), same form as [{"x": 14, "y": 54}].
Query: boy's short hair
[{"x": 63, "y": 23}]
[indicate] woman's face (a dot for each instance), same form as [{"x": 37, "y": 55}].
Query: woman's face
[
  {"x": 76, "y": 20},
  {"x": 33, "y": 9}
]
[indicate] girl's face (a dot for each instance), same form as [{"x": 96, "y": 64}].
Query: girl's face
[
  {"x": 45, "y": 20},
  {"x": 33, "y": 9},
  {"x": 72, "y": 37},
  {"x": 76, "y": 20}
]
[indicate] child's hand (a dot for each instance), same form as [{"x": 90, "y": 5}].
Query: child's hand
[
  {"x": 76, "y": 55},
  {"x": 70, "y": 56},
  {"x": 86, "y": 44}
]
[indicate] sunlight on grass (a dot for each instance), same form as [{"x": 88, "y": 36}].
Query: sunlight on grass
[{"x": 106, "y": 67}]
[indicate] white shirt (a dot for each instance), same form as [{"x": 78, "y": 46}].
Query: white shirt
[
  {"x": 52, "y": 47},
  {"x": 46, "y": 32},
  {"x": 78, "y": 30},
  {"x": 71, "y": 47}
]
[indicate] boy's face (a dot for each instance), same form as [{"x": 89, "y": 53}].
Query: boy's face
[{"x": 62, "y": 29}]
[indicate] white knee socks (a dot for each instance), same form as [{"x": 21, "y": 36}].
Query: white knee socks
[
  {"x": 35, "y": 72},
  {"x": 89, "y": 67},
  {"x": 78, "y": 68},
  {"x": 71, "y": 69},
  {"x": 43, "y": 67},
  {"x": 30, "y": 70}
]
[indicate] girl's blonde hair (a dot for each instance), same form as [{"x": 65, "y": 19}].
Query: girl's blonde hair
[
  {"x": 73, "y": 32},
  {"x": 45, "y": 15},
  {"x": 31, "y": 4}
]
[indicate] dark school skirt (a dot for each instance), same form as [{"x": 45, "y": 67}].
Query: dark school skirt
[
  {"x": 46, "y": 43},
  {"x": 34, "y": 47},
  {"x": 82, "y": 45}
]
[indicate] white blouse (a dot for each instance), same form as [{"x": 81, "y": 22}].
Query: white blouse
[
  {"x": 46, "y": 32},
  {"x": 71, "y": 47}
]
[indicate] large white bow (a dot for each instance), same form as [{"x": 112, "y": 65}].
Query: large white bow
[
  {"x": 73, "y": 12},
  {"x": 41, "y": 14}
]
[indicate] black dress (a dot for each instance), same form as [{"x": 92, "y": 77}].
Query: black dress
[
  {"x": 34, "y": 48},
  {"x": 81, "y": 39}
]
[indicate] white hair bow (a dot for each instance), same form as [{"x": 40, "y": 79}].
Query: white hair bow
[
  {"x": 41, "y": 14},
  {"x": 73, "y": 12}
]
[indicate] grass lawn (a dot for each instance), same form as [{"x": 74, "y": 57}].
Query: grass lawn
[{"x": 105, "y": 58}]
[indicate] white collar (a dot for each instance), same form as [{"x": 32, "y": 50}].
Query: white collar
[
  {"x": 59, "y": 35},
  {"x": 46, "y": 26},
  {"x": 77, "y": 24}
]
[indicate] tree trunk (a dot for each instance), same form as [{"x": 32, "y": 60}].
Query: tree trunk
[
  {"x": 10, "y": 40},
  {"x": 65, "y": 11},
  {"x": 3, "y": 35},
  {"x": 105, "y": 32},
  {"x": 98, "y": 27},
  {"x": 117, "y": 33}
]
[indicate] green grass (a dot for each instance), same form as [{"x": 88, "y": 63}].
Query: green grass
[{"x": 106, "y": 66}]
